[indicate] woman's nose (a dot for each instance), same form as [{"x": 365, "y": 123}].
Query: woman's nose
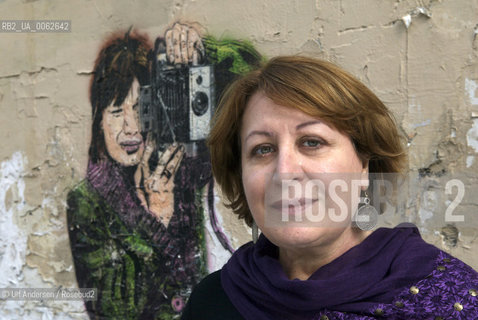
[
  {"x": 289, "y": 163},
  {"x": 130, "y": 124}
]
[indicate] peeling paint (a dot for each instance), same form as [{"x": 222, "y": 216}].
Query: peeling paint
[
  {"x": 407, "y": 19},
  {"x": 422, "y": 124},
  {"x": 13, "y": 251},
  {"x": 424, "y": 11},
  {"x": 428, "y": 206},
  {"x": 453, "y": 133},
  {"x": 10, "y": 76},
  {"x": 84, "y": 72},
  {"x": 434, "y": 169},
  {"x": 13, "y": 240},
  {"x": 469, "y": 161},
  {"x": 450, "y": 235},
  {"x": 414, "y": 107},
  {"x": 48, "y": 205},
  {"x": 353, "y": 29},
  {"x": 470, "y": 87},
  {"x": 472, "y": 136}
]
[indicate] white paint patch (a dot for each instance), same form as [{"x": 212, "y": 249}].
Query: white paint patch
[
  {"x": 13, "y": 249},
  {"x": 414, "y": 107},
  {"x": 453, "y": 133},
  {"x": 424, "y": 215},
  {"x": 49, "y": 204},
  {"x": 13, "y": 241},
  {"x": 469, "y": 161},
  {"x": 422, "y": 124},
  {"x": 472, "y": 136},
  {"x": 217, "y": 255},
  {"x": 407, "y": 20},
  {"x": 428, "y": 206},
  {"x": 470, "y": 87}
]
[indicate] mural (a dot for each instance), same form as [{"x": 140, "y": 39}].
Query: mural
[{"x": 136, "y": 222}]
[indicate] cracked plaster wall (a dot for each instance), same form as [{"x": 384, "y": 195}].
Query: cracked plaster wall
[{"x": 426, "y": 72}]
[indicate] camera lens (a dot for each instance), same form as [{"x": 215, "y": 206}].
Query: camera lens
[
  {"x": 200, "y": 103},
  {"x": 199, "y": 80}
]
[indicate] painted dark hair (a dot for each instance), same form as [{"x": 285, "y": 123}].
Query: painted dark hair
[{"x": 121, "y": 60}]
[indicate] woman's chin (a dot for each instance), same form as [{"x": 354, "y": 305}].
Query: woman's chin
[
  {"x": 128, "y": 160},
  {"x": 301, "y": 236}
]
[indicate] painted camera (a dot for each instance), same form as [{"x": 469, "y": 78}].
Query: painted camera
[{"x": 178, "y": 105}]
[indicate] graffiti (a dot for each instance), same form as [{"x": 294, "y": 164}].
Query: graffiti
[{"x": 136, "y": 222}]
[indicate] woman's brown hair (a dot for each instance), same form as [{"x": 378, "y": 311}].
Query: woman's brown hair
[{"x": 317, "y": 88}]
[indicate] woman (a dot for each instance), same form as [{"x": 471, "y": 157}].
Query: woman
[
  {"x": 300, "y": 121},
  {"x": 135, "y": 222}
]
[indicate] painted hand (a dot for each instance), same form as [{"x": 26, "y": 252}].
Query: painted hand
[
  {"x": 157, "y": 191},
  {"x": 184, "y": 45}
]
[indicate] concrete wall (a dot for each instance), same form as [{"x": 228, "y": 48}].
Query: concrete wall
[{"x": 419, "y": 56}]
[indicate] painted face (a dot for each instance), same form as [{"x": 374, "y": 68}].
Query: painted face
[
  {"x": 284, "y": 144},
  {"x": 120, "y": 125}
]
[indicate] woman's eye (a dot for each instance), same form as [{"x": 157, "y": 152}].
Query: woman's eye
[
  {"x": 116, "y": 111},
  {"x": 262, "y": 150},
  {"x": 311, "y": 143}
]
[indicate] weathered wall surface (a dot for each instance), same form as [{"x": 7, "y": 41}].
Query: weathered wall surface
[{"x": 419, "y": 57}]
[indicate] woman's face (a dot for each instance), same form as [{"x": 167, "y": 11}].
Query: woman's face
[
  {"x": 120, "y": 125},
  {"x": 284, "y": 153}
]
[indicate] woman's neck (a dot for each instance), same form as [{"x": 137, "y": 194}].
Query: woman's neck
[
  {"x": 128, "y": 173},
  {"x": 301, "y": 263}
]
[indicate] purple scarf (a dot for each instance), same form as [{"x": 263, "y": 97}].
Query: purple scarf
[{"x": 372, "y": 272}]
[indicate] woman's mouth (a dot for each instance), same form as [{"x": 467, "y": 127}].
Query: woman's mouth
[
  {"x": 131, "y": 146},
  {"x": 294, "y": 206}
]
